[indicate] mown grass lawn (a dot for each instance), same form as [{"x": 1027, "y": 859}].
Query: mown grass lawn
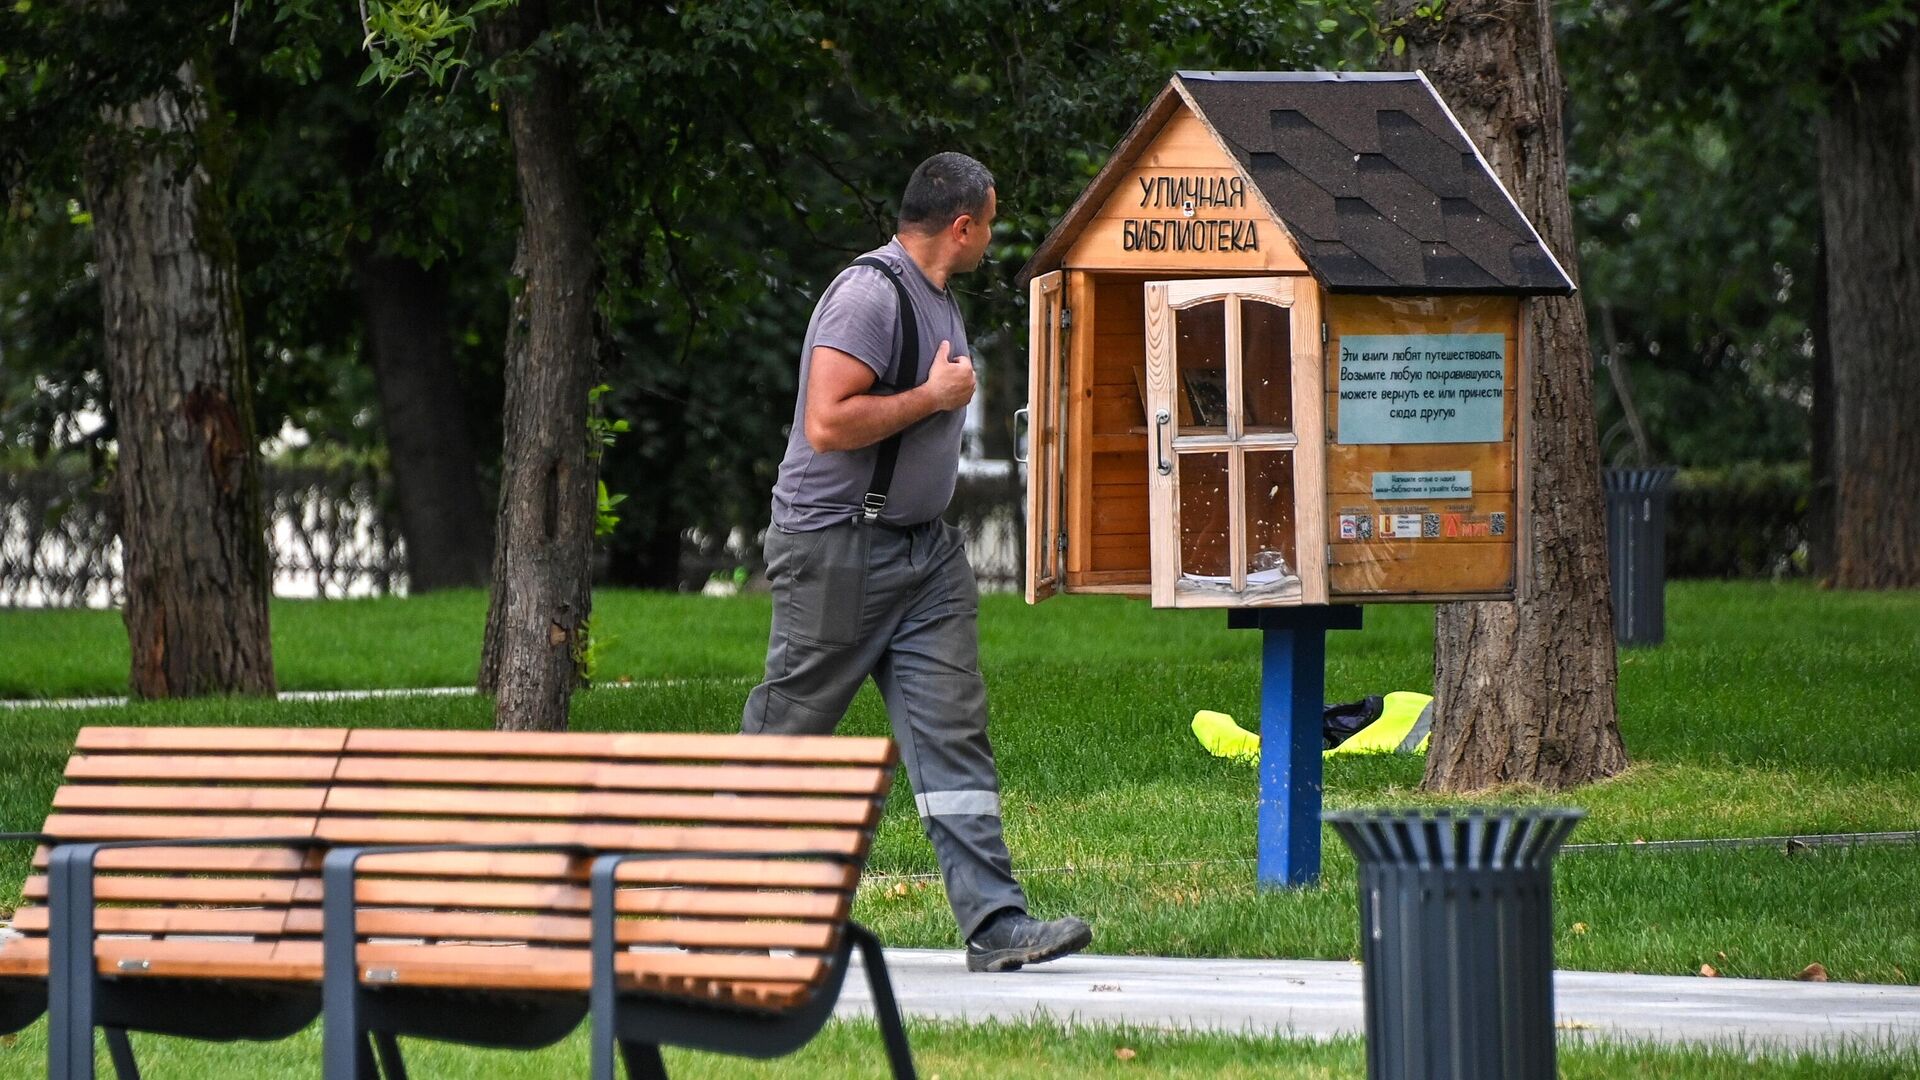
[
  {"x": 992, "y": 1051},
  {"x": 1771, "y": 710}
]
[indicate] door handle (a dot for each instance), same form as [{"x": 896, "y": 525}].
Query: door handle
[
  {"x": 1160, "y": 421},
  {"x": 1021, "y": 419}
]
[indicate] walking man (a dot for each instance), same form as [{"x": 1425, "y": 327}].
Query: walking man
[{"x": 868, "y": 581}]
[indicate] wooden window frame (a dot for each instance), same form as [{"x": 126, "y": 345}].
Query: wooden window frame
[{"x": 1306, "y": 442}]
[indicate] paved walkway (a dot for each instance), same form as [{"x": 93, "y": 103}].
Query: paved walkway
[{"x": 1320, "y": 998}]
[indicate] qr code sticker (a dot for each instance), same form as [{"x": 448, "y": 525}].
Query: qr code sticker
[
  {"x": 1429, "y": 526},
  {"x": 1499, "y": 522}
]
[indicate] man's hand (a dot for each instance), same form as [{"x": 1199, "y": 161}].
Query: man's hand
[{"x": 950, "y": 379}]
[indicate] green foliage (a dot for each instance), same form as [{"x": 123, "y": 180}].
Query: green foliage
[
  {"x": 601, "y": 434},
  {"x": 417, "y": 37},
  {"x": 1696, "y": 198}
]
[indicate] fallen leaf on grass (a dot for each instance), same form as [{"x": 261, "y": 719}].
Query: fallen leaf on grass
[
  {"x": 1708, "y": 971},
  {"x": 1579, "y": 928},
  {"x": 1812, "y": 973},
  {"x": 1125, "y": 1053}
]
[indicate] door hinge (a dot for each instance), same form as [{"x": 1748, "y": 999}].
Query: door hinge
[
  {"x": 1323, "y": 333},
  {"x": 1062, "y": 542},
  {"x": 1066, "y": 317}
]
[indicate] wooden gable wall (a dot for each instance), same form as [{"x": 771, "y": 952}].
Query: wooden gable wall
[{"x": 1183, "y": 150}]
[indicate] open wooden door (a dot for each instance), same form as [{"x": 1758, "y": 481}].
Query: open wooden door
[
  {"x": 1236, "y": 447},
  {"x": 1046, "y": 429}
]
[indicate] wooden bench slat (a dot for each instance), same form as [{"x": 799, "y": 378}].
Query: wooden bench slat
[
  {"x": 182, "y": 890},
  {"x": 550, "y": 968},
  {"x": 666, "y": 838},
  {"x": 212, "y": 739},
  {"x": 783, "y": 749},
  {"x": 770, "y": 779},
  {"x": 157, "y": 920},
  {"x": 514, "y": 896},
  {"x": 237, "y": 860},
  {"x": 235, "y": 768},
  {"x": 206, "y": 959},
  {"x": 601, "y": 805},
  {"x": 574, "y": 929},
  {"x": 163, "y": 799},
  {"x": 24, "y": 957},
  {"x": 790, "y": 874},
  {"x": 174, "y": 826}
]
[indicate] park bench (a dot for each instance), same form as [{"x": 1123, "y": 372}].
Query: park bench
[{"x": 478, "y": 887}]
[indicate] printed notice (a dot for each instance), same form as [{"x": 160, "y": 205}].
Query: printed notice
[
  {"x": 1422, "y": 388},
  {"x": 1422, "y": 485}
]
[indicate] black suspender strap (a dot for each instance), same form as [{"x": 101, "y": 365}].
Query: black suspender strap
[{"x": 903, "y": 373}]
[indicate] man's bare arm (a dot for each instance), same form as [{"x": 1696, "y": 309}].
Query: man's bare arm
[{"x": 843, "y": 415}]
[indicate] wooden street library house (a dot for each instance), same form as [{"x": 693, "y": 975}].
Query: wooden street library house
[{"x": 1277, "y": 353}]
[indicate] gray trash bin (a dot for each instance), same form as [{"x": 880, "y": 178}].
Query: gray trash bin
[
  {"x": 1637, "y": 552},
  {"x": 1456, "y": 932}
]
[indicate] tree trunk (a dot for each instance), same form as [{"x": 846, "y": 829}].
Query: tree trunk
[
  {"x": 197, "y": 570},
  {"x": 1819, "y": 520},
  {"x": 1870, "y": 204},
  {"x": 430, "y": 443},
  {"x": 542, "y": 592},
  {"x": 1525, "y": 692}
]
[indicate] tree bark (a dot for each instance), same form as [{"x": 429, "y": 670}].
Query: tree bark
[
  {"x": 1870, "y": 204},
  {"x": 1524, "y": 692},
  {"x": 430, "y": 442},
  {"x": 1820, "y": 493},
  {"x": 541, "y": 587},
  {"x": 197, "y": 571}
]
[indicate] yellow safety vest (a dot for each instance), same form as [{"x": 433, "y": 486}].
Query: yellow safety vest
[{"x": 1404, "y": 727}]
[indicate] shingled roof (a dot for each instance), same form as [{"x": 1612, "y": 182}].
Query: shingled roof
[{"x": 1372, "y": 176}]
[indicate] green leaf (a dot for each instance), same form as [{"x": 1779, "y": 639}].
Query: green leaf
[
  {"x": 1328, "y": 26},
  {"x": 1399, "y": 45}
]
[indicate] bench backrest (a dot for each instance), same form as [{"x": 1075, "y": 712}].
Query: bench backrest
[
  {"x": 700, "y": 926},
  {"x": 179, "y": 783},
  {"x": 756, "y": 931}
]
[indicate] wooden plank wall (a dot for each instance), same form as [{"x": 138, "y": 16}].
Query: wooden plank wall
[{"x": 1117, "y": 444}]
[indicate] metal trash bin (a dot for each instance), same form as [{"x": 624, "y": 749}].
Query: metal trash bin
[
  {"x": 1456, "y": 934},
  {"x": 1637, "y": 552}
]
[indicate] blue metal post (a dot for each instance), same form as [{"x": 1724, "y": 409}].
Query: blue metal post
[{"x": 1293, "y": 681}]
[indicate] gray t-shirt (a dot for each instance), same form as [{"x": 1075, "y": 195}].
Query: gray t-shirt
[{"x": 859, "y": 314}]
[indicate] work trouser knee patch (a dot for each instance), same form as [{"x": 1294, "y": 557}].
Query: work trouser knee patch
[
  {"x": 781, "y": 715},
  {"x": 950, "y": 704}
]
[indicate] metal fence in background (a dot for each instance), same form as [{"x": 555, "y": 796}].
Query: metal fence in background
[{"x": 332, "y": 535}]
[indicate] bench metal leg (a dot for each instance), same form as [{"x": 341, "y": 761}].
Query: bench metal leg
[
  {"x": 71, "y": 976},
  {"x": 346, "y": 1053},
  {"x": 121, "y": 1049},
  {"x": 392, "y": 1066},
  {"x": 643, "y": 1061},
  {"x": 885, "y": 1009}
]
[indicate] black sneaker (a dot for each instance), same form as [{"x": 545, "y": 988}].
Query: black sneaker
[{"x": 1014, "y": 938}]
